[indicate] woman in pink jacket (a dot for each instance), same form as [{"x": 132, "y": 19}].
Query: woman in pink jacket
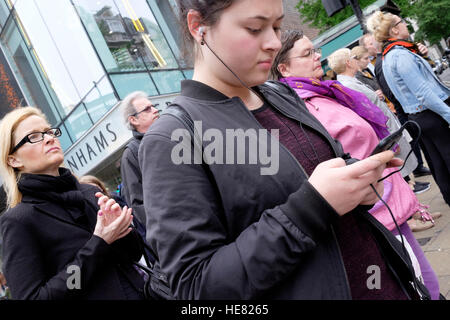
[{"x": 352, "y": 119}]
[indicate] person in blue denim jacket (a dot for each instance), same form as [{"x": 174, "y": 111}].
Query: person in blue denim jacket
[{"x": 422, "y": 95}]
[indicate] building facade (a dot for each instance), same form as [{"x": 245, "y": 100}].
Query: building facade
[
  {"x": 293, "y": 21},
  {"x": 77, "y": 59}
]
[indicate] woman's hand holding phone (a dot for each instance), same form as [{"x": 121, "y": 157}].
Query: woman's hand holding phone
[{"x": 347, "y": 186}]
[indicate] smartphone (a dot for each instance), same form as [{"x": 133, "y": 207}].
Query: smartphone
[{"x": 388, "y": 142}]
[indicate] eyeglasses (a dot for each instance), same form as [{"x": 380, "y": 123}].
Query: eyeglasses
[
  {"x": 146, "y": 109},
  {"x": 402, "y": 20},
  {"x": 310, "y": 53},
  {"x": 36, "y": 137}
]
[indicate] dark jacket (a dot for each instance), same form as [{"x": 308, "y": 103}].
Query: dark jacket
[
  {"x": 43, "y": 240},
  {"x": 371, "y": 82},
  {"x": 224, "y": 231},
  {"x": 386, "y": 90},
  {"x": 132, "y": 177}
]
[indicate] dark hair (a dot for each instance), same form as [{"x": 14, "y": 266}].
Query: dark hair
[
  {"x": 209, "y": 10},
  {"x": 288, "y": 39}
]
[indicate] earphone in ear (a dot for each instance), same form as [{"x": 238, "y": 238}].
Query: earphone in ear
[{"x": 202, "y": 33}]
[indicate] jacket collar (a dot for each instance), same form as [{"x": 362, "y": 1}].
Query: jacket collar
[
  {"x": 54, "y": 211},
  {"x": 137, "y": 134},
  {"x": 198, "y": 90}
]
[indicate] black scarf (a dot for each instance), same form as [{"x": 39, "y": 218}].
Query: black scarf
[{"x": 63, "y": 190}]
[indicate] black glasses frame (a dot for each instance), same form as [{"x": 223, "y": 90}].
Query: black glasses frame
[
  {"x": 53, "y": 132},
  {"x": 146, "y": 109},
  {"x": 402, "y": 20},
  {"x": 310, "y": 54}
]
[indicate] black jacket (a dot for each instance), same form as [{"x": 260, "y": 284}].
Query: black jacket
[
  {"x": 371, "y": 82},
  {"x": 385, "y": 88},
  {"x": 43, "y": 240},
  {"x": 224, "y": 231},
  {"x": 132, "y": 177}
]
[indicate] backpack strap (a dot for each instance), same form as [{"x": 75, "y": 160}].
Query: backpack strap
[
  {"x": 156, "y": 286},
  {"x": 181, "y": 114},
  {"x": 133, "y": 145}
]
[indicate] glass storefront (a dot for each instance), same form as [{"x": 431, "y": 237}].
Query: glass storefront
[
  {"x": 129, "y": 40},
  {"x": 76, "y": 59}
]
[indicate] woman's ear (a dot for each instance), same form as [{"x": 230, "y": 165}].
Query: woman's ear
[
  {"x": 348, "y": 64},
  {"x": 393, "y": 32},
  {"x": 194, "y": 22},
  {"x": 14, "y": 162},
  {"x": 283, "y": 68}
]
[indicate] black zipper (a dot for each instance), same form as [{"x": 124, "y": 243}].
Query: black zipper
[{"x": 341, "y": 262}]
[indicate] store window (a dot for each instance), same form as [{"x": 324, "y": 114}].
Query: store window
[
  {"x": 78, "y": 122},
  {"x": 129, "y": 82},
  {"x": 168, "y": 81},
  {"x": 62, "y": 48},
  {"x": 28, "y": 73},
  {"x": 4, "y": 13},
  {"x": 126, "y": 35},
  {"x": 10, "y": 94},
  {"x": 100, "y": 99},
  {"x": 64, "y": 139}
]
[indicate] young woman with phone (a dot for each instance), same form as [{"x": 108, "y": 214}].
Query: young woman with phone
[{"x": 226, "y": 231}]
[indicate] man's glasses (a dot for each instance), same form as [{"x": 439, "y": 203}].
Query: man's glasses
[
  {"x": 36, "y": 137},
  {"x": 146, "y": 109},
  {"x": 310, "y": 53}
]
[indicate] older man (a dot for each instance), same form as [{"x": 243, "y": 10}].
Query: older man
[{"x": 139, "y": 114}]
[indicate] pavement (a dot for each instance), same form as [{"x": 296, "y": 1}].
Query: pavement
[{"x": 435, "y": 242}]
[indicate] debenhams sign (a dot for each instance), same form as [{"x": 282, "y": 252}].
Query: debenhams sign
[{"x": 106, "y": 137}]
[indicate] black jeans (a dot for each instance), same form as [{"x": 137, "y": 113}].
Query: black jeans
[{"x": 435, "y": 140}]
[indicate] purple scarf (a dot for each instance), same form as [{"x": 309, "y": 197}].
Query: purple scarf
[{"x": 354, "y": 100}]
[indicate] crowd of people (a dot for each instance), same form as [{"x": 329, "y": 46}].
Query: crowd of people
[{"x": 223, "y": 227}]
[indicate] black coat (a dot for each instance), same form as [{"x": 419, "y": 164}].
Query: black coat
[
  {"x": 385, "y": 88},
  {"x": 132, "y": 177},
  {"x": 229, "y": 232},
  {"x": 43, "y": 240}
]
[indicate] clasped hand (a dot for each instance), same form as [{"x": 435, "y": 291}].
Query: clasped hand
[{"x": 113, "y": 223}]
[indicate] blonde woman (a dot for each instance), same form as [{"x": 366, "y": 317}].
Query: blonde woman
[
  {"x": 364, "y": 74},
  {"x": 57, "y": 244},
  {"x": 421, "y": 94}
]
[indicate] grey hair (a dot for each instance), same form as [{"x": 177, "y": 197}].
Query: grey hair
[{"x": 128, "y": 108}]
